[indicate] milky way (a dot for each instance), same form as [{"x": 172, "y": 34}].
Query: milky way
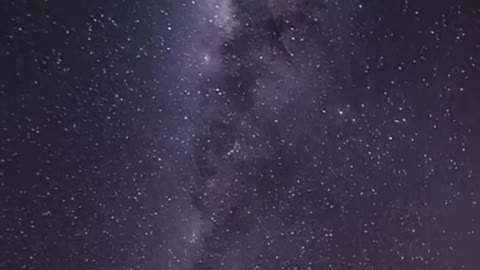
[{"x": 227, "y": 134}]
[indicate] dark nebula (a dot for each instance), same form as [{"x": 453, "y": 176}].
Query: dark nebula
[{"x": 238, "y": 135}]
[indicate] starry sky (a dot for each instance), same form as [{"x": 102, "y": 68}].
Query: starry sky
[{"x": 238, "y": 135}]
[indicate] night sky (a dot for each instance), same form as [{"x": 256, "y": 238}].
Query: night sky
[{"x": 240, "y": 135}]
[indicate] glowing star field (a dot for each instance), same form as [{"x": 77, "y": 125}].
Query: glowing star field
[{"x": 240, "y": 135}]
